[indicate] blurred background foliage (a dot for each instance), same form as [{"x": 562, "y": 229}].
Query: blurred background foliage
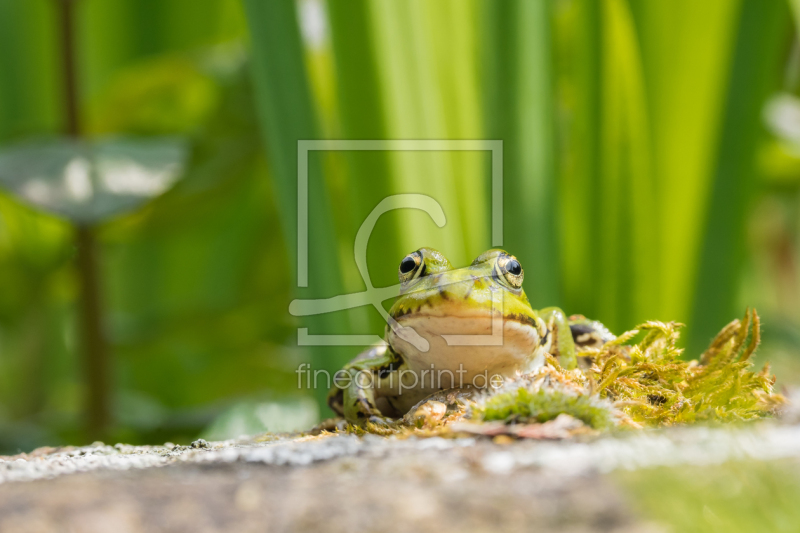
[{"x": 651, "y": 171}]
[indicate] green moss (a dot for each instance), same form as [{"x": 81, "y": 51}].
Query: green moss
[
  {"x": 654, "y": 386},
  {"x": 525, "y": 405},
  {"x": 647, "y": 383}
]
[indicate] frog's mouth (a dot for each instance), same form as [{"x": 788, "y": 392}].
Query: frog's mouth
[{"x": 471, "y": 342}]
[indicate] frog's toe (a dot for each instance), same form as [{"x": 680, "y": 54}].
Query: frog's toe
[
  {"x": 380, "y": 421},
  {"x": 331, "y": 424}
]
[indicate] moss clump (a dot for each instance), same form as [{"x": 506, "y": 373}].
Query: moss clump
[
  {"x": 650, "y": 384},
  {"x": 646, "y": 383},
  {"x": 545, "y": 403}
]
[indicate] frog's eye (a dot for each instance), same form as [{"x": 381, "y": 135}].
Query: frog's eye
[
  {"x": 410, "y": 267},
  {"x": 511, "y": 270}
]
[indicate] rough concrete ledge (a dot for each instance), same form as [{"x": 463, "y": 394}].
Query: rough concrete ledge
[
  {"x": 696, "y": 445},
  {"x": 341, "y": 482}
]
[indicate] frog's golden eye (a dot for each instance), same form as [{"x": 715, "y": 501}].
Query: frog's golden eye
[
  {"x": 511, "y": 270},
  {"x": 410, "y": 267}
]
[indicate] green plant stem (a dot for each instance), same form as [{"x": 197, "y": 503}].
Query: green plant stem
[
  {"x": 96, "y": 360},
  {"x": 67, "y": 51}
]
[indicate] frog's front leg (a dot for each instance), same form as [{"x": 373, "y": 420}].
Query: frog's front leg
[
  {"x": 555, "y": 318},
  {"x": 356, "y": 389}
]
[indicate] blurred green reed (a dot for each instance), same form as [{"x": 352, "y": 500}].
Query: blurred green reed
[{"x": 633, "y": 158}]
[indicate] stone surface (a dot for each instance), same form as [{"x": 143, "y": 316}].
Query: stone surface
[{"x": 345, "y": 483}]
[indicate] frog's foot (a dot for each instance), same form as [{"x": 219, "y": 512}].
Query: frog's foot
[
  {"x": 380, "y": 425},
  {"x": 365, "y": 414},
  {"x": 382, "y": 421},
  {"x": 429, "y": 413},
  {"x": 336, "y": 423},
  {"x": 435, "y": 408}
]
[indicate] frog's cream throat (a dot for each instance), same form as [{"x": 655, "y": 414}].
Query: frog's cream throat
[{"x": 480, "y": 348}]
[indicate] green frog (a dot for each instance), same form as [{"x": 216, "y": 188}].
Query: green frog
[{"x": 467, "y": 329}]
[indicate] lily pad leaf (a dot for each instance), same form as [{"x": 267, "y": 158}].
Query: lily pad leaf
[{"x": 89, "y": 181}]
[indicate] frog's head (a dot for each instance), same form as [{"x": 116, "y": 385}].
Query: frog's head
[{"x": 453, "y": 309}]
